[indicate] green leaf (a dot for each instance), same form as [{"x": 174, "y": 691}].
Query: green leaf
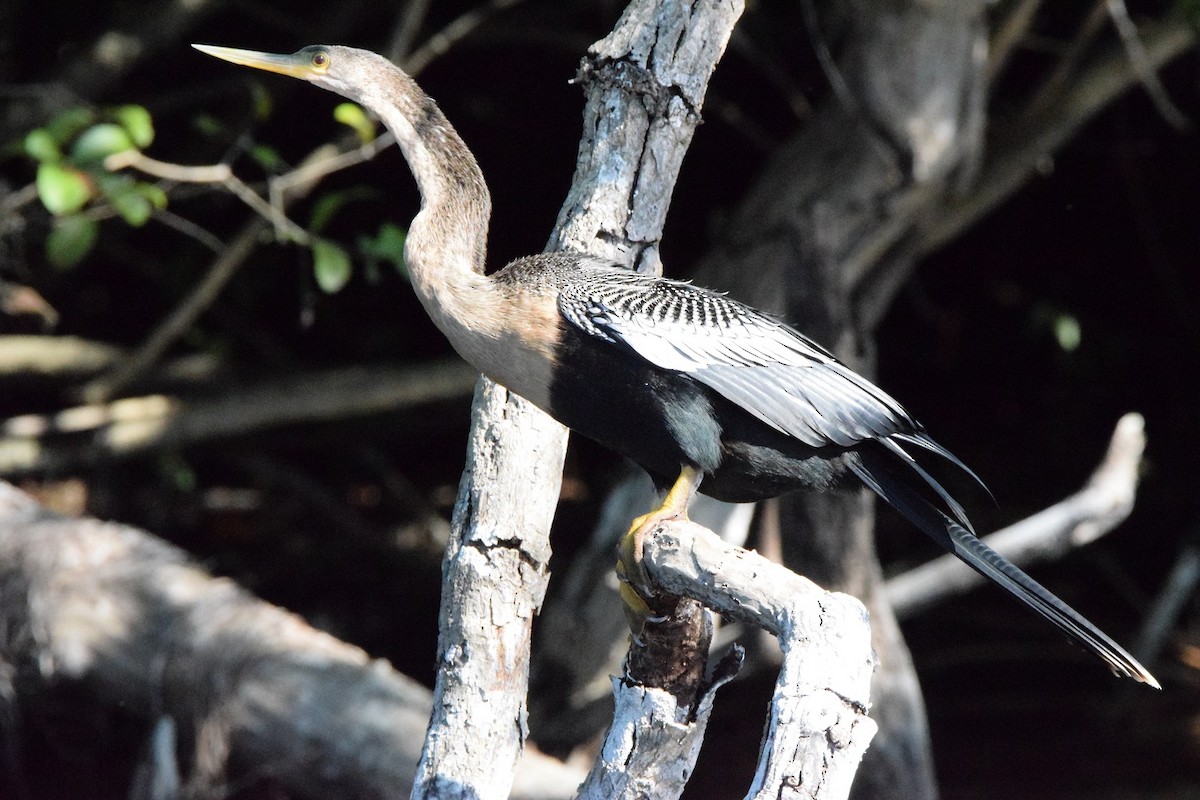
[
  {"x": 261, "y": 99},
  {"x": 133, "y": 208},
  {"x": 63, "y": 190},
  {"x": 137, "y": 123},
  {"x": 209, "y": 125},
  {"x": 100, "y": 141},
  {"x": 134, "y": 201},
  {"x": 266, "y": 157},
  {"x": 387, "y": 245},
  {"x": 177, "y": 472},
  {"x": 66, "y": 125},
  {"x": 40, "y": 146},
  {"x": 331, "y": 265},
  {"x": 71, "y": 240},
  {"x": 325, "y": 208},
  {"x": 1068, "y": 332},
  {"x": 352, "y": 114},
  {"x": 156, "y": 196}
]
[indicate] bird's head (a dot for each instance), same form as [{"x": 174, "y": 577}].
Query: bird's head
[{"x": 344, "y": 70}]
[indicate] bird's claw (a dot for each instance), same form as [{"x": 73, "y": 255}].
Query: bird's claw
[{"x": 637, "y": 590}]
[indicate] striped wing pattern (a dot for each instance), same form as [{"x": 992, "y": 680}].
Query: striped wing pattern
[
  {"x": 756, "y": 362},
  {"x": 794, "y": 385}
]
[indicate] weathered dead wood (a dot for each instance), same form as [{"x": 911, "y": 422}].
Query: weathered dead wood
[
  {"x": 1048, "y": 535},
  {"x": 645, "y": 86},
  {"x": 787, "y": 218},
  {"x": 824, "y": 234},
  {"x": 83, "y": 435},
  {"x": 54, "y": 356},
  {"x": 249, "y": 690},
  {"x": 818, "y": 728}
]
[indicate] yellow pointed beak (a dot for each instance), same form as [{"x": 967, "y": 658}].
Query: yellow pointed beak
[{"x": 296, "y": 65}]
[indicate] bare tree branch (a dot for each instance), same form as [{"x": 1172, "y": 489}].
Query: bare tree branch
[
  {"x": 818, "y": 728},
  {"x": 123, "y": 428},
  {"x": 462, "y": 27},
  {"x": 222, "y": 270},
  {"x": 253, "y": 691},
  {"x": 1052, "y": 87},
  {"x": 645, "y": 84},
  {"x": 1177, "y": 591},
  {"x": 1008, "y": 34},
  {"x": 1140, "y": 60},
  {"x": 68, "y": 356},
  {"x": 1100, "y": 506},
  {"x": 1016, "y": 152}
]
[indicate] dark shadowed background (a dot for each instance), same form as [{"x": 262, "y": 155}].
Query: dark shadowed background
[{"x": 1019, "y": 344}]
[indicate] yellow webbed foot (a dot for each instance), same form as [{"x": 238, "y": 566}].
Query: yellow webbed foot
[{"x": 636, "y": 591}]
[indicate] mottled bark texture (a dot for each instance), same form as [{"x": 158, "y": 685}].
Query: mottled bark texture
[
  {"x": 831, "y": 219},
  {"x": 826, "y": 235},
  {"x": 645, "y": 84}
]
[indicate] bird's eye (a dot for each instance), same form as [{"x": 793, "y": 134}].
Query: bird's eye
[{"x": 320, "y": 60}]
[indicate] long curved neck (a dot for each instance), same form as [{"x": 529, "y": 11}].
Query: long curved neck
[
  {"x": 505, "y": 332},
  {"x": 446, "y": 246}
]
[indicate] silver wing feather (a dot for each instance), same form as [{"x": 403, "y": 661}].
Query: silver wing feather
[{"x": 756, "y": 362}]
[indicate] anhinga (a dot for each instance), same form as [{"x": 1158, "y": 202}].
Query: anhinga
[{"x": 702, "y": 391}]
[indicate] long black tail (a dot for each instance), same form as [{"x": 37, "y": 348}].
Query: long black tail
[{"x": 892, "y": 480}]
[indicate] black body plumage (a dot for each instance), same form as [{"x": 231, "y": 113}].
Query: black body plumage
[{"x": 668, "y": 373}]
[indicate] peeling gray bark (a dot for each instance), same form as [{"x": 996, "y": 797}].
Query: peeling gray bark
[
  {"x": 825, "y": 237},
  {"x": 832, "y": 219},
  {"x": 638, "y": 121}
]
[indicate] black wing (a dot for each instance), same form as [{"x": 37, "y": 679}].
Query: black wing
[{"x": 765, "y": 367}]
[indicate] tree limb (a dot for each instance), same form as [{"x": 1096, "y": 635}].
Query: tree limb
[
  {"x": 54, "y": 356},
  {"x": 249, "y": 690},
  {"x": 1093, "y": 511},
  {"x": 818, "y": 728},
  {"x": 1017, "y": 150},
  {"x": 642, "y": 108},
  {"x": 75, "y": 437}
]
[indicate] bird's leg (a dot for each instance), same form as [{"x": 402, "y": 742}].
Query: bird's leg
[{"x": 636, "y": 591}]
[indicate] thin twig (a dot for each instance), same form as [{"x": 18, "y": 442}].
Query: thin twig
[
  {"x": 14, "y": 200},
  {"x": 285, "y": 229},
  {"x": 1177, "y": 592},
  {"x": 1100, "y": 506},
  {"x": 1019, "y": 151},
  {"x": 214, "y": 173},
  {"x": 189, "y": 229},
  {"x": 180, "y": 320},
  {"x": 1008, "y": 35},
  {"x": 462, "y": 27},
  {"x": 400, "y": 43},
  {"x": 833, "y": 73},
  {"x": 1048, "y": 93},
  {"x": 281, "y": 188},
  {"x": 1144, "y": 69}
]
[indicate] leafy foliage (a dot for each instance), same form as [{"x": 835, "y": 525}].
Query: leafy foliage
[{"x": 70, "y": 151}]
